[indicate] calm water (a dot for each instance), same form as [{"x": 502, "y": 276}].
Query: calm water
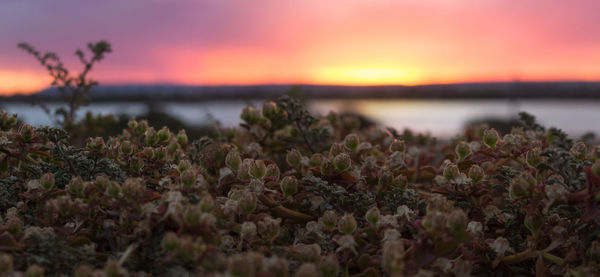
[{"x": 444, "y": 118}]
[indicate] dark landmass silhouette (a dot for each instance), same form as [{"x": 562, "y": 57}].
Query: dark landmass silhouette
[{"x": 185, "y": 93}]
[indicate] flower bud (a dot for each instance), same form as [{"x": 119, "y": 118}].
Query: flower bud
[
  {"x": 533, "y": 157},
  {"x": 7, "y": 122},
  {"x": 451, "y": 171},
  {"x": 347, "y": 224},
  {"x": 132, "y": 123},
  {"x": 34, "y": 271},
  {"x": 76, "y": 186},
  {"x": 133, "y": 188},
  {"x": 207, "y": 203},
  {"x": 372, "y": 216},
  {"x": 248, "y": 202},
  {"x": 184, "y": 165},
  {"x": 269, "y": 228},
  {"x": 434, "y": 221},
  {"x": 386, "y": 179},
  {"x": 126, "y": 147},
  {"x": 458, "y": 221},
  {"x": 439, "y": 203},
  {"x": 306, "y": 270},
  {"x": 294, "y": 158},
  {"x": 392, "y": 257},
  {"x": 258, "y": 169},
  {"x": 96, "y": 143},
  {"x": 233, "y": 160},
  {"x": 397, "y": 146},
  {"x": 240, "y": 265},
  {"x": 182, "y": 138},
  {"x": 329, "y": 219},
  {"x": 342, "y": 162},
  {"x": 400, "y": 182},
  {"x": 173, "y": 147},
  {"x": 335, "y": 149},
  {"x": 462, "y": 150},
  {"x": 243, "y": 172},
  {"x": 250, "y": 115},
  {"x": 170, "y": 242},
  {"x": 163, "y": 135},
  {"x": 289, "y": 185},
  {"x": 191, "y": 215},
  {"x": 248, "y": 230},
  {"x": 148, "y": 152},
  {"x": 277, "y": 266},
  {"x": 27, "y": 132},
  {"x": 327, "y": 167},
  {"x": 329, "y": 266},
  {"x": 189, "y": 250},
  {"x": 490, "y": 138},
  {"x": 521, "y": 185},
  {"x": 351, "y": 142},
  {"x": 14, "y": 225},
  {"x": 150, "y": 135},
  {"x": 6, "y": 263},
  {"x": 270, "y": 110},
  {"x": 308, "y": 252},
  {"x": 272, "y": 172},
  {"x": 256, "y": 186},
  {"x": 578, "y": 150},
  {"x": 476, "y": 173},
  {"x": 47, "y": 181},
  {"x": 113, "y": 190},
  {"x": 160, "y": 153},
  {"x": 534, "y": 222},
  {"x": 136, "y": 164},
  {"x": 316, "y": 160},
  {"x": 188, "y": 177}
]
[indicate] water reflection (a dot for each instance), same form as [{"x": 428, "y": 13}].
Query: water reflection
[{"x": 443, "y": 118}]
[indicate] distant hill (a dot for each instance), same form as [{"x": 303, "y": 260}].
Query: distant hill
[{"x": 507, "y": 90}]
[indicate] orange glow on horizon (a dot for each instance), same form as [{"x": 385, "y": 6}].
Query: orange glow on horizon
[{"x": 23, "y": 82}]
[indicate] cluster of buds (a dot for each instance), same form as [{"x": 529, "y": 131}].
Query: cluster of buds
[
  {"x": 7, "y": 122},
  {"x": 289, "y": 194}
]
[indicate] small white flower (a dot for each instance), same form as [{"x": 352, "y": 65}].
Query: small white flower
[
  {"x": 405, "y": 213},
  {"x": 500, "y": 246},
  {"x": 390, "y": 220},
  {"x": 346, "y": 242},
  {"x": 475, "y": 228}
]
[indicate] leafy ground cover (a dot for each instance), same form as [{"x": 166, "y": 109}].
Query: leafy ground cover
[{"x": 292, "y": 194}]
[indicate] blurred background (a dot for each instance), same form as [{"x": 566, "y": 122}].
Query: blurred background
[{"x": 431, "y": 66}]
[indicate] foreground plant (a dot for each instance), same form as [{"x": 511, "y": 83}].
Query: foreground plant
[
  {"x": 74, "y": 88},
  {"x": 291, "y": 194}
]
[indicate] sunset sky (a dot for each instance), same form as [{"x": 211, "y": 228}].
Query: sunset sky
[{"x": 354, "y": 42}]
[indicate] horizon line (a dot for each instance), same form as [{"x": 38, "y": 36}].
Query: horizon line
[{"x": 23, "y": 93}]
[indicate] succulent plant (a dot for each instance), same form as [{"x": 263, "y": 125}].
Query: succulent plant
[{"x": 291, "y": 194}]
